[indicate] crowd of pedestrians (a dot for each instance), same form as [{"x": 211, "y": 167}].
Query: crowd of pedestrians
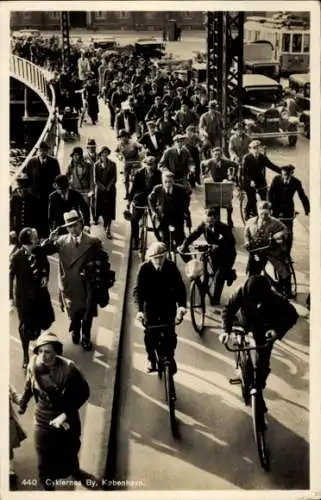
[{"x": 165, "y": 124}]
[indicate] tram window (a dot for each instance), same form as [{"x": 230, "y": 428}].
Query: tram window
[
  {"x": 256, "y": 36},
  {"x": 286, "y": 42},
  {"x": 306, "y": 43},
  {"x": 297, "y": 42}
]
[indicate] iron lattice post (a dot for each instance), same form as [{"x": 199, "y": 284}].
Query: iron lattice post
[
  {"x": 64, "y": 24},
  {"x": 225, "y": 38}
]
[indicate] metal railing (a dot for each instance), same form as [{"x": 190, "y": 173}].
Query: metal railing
[{"x": 36, "y": 78}]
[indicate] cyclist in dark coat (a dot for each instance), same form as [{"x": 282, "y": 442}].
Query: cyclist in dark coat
[
  {"x": 262, "y": 311},
  {"x": 222, "y": 256}
]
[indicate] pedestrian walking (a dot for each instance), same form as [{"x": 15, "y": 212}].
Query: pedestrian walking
[
  {"x": 91, "y": 93},
  {"x": 29, "y": 269},
  {"x": 80, "y": 175},
  {"x": 82, "y": 277},
  {"x": 24, "y": 206},
  {"x": 59, "y": 390},
  {"x": 105, "y": 178}
]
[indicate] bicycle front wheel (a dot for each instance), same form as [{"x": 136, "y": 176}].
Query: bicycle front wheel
[
  {"x": 197, "y": 305},
  {"x": 260, "y": 430},
  {"x": 143, "y": 239},
  {"x": 170, "y": 398}
]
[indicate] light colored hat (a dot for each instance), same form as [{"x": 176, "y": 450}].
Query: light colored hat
[
  {"x": 48, "y": 338},
  {"x": 71, "y": 218},
  {"x": 255, "y": 144},
  {"x": 179, "y": 137},
  {"x": 156, "y": 249}
]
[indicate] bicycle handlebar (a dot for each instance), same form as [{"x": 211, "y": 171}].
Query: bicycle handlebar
[
  {"x": 199, "y": 249},
  {"x": 251, "y": 348}
]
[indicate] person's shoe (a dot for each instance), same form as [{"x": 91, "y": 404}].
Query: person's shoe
[
  {"x": 152, "y": 367},
  {"x": 109, "y": 235},
  {"x": 231, "y": 277},
  {"x": 75, "y": 338},
  {"x": 86, "y": 344}
]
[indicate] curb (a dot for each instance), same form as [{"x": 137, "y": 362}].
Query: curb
[{"x": 98, "y": 436}]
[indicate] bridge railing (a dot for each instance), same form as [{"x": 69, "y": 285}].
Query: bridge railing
[{"x": 35, "y": 78}]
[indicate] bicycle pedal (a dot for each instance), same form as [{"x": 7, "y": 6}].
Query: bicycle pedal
[{"x": 234, "y": 381}]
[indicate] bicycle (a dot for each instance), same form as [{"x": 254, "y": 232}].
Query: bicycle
[
  {"x": 276, "y": 279},
  {"x": 243, "y": 202},
  {"x": 251, "y": 394},
  {"x": 202, "y": 283},
  {"x": 164, "y": 365}
]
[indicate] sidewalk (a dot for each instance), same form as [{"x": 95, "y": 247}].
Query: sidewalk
[{"x": 99, "y": 366}]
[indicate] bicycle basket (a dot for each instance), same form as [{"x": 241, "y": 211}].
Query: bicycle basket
[{"x": 194, "y": 269}]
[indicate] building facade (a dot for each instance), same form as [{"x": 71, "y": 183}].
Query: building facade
[{"x": 130, "y": 20}]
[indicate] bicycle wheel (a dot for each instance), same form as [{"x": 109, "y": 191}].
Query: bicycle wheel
[
  {"x": 293, "y": 280},
  {"x": 197, "y": 305},
  {"x": 242, "y": 363},
  {"x": 259, "y": 430},
  {"x": 243, "y": 202},
  {"x": 210, "y": 279},
  {"x": 143, "y": 239},
  {"x": 170, "y": 398}
]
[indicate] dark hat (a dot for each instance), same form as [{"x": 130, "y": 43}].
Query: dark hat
[
  {"x": 263, "y": 204},
  {"x": 127, "y": 215},
  {"x": 288, "y": 167},
  {"x": 123, "y": 133},
  {"x": 23, "y": 180},
  {"x": 211, "y": 212},
  {"x": 239, "y": 126},
  {"x": 44, "y": 146},
  {"x": 77, "y": 150},
  {"x": 48, "y": 338},
  {"x": 91, "y": 142},
  {"x": 103, "y": 149},
  {"x": 61, "y": 181}
]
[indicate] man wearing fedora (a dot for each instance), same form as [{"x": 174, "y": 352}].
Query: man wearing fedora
[
  {"x": 90, "y": 155},
  {"x": 63, "y": 199},
  {"x": 75, "y": 249},
  {"x": 24, "y": 206},
  {"x": 239, "y": 142},
  {"x": 281, "y": 193},
  {"x": 42, "y": 170},
  {"x": 178, "y": 160}
]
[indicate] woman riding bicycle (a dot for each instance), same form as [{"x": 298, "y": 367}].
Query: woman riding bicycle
[
  {"x": 269, "y": 234},
  {"x": 128, "y": 151}
]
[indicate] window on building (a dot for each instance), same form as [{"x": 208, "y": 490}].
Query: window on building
[
  {"x": 124, "y": 14},
  {"x": 54, "y": 14},
  {"x": 149, "y": 16},
  {"x": 186, "y": 14},
  {"x": 256, "y": 36},
  {"x": 26, "y": 14},
  {"x": 297, "y": 43},
  {"x": 100, "y": 14},
  {"x": 306, "y": 43},
  {"x": 286, "y": 42}
]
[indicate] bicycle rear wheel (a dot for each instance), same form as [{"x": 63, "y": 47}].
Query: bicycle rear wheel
[
  {"x": 170, "y": 398},
  {"x": 143, "y": 239},
  {"x": 197, "y": 305},
  {"x": 260, "y": 430}
]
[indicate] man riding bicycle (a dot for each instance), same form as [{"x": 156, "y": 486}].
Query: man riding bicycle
[
  {"x": 252, "y": 176},
  {"x": 265, "y": 313},
  {"x": 169, "y": 204},
  {"x": 129, "y": 151},
  {"x": 161, "y": 298},
  {"x": 178, "y": 160},
  {"x": 144, "y": 182},
  {"x": 222, "y": 256},
  {"x": 266, "y": 231},
  {"x": 281, "y": 193},
  {"x": 239, "y": 143}
]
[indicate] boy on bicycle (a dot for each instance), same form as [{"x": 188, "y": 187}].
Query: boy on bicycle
[
  {"x": 265, "y": 313},
  {"x": 222, "y": 256},
  {"x": 160, "y": 294}
]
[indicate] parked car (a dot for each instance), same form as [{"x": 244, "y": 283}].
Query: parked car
[
  {"x": 150, "y": 48},
  {"x": 300, "y": 83},
  {"x": 263, "y": 110},
  {"x": 106, "y": 43},
  {"x": 258, "y": 59}
]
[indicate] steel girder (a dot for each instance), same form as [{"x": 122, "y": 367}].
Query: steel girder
[
  {"x": 64, "y": 25},
  {"x": 225, "y": 38}
]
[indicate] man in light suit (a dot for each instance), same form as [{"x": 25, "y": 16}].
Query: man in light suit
[{"x": 74, "y": 250}]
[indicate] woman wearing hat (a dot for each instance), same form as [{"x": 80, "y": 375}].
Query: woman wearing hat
[
  {"x": 128, "y": 151},
  {"x": 59, "y": 390},
  {"x": 79, "y": 174},
  {"x": 29, "y": 268},
  {"x": 105, "y": 179}
]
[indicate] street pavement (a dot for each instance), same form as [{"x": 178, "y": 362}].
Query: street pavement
[
  {"x": 98, "y": 365},
  {"x": 216, "y": 450}
]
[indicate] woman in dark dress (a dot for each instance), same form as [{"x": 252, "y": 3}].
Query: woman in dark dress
[
  {"x": 91, "y": 93},
  {"x": 105, "y": 178},
  {"x": 29, "y": 270},
  {"x": 59, "y": 390}
]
